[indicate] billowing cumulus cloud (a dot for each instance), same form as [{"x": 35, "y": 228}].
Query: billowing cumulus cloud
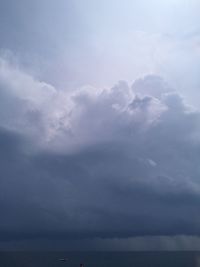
[{"x": 96, "y": 163}]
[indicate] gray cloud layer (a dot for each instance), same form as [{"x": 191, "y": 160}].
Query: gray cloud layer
[{"x": 117, "y": 162}]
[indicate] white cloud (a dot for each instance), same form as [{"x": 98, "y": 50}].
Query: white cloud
[{"x": 71, "y": 119}]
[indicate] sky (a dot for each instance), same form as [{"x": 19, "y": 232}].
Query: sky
[{"x": 99, "y": 124}]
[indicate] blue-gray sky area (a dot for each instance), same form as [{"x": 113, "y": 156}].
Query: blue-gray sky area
[{"x": 99, "y": 124}]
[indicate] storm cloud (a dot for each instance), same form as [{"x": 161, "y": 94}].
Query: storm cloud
[{"x": 115, "y": 162}]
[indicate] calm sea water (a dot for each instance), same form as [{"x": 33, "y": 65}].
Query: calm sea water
[{"x": 100, "y": 259}]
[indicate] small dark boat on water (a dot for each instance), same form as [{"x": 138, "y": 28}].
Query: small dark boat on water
[{"x": 63, "y": 259}]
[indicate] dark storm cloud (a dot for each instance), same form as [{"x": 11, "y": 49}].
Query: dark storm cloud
[{"x": 112, "y": 163}]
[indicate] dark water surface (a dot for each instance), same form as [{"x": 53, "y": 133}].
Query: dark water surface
[{"x": 100, "y": 259}]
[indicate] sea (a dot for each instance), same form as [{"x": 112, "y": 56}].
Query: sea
[{"x": 100, "y": 259}]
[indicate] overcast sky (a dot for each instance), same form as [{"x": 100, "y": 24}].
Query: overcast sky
[{"x": 99, "y": 124}]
